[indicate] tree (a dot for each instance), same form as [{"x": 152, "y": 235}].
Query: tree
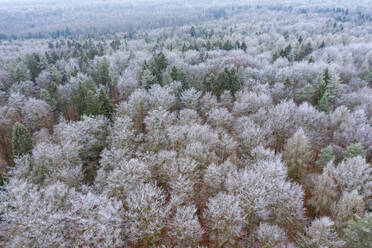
[
  {"x": 322, "y": 92},
  {"x": 355, "y": 174},
  {"x": 157, "y": 65},
  {"x": 56, "y": 215},
  {"x": 45, "y": 96},
  {"x": 324, "y": 191},
  {"x": 226, "y": 218},
  {"x": 104, "y": 105},
  {"x": 115, "y": 44},
  {"x": 124, "y": 178},
  {"x": 185, "y": 227},
  {"x": 22, "y": 142},
  {"x": 226, "y": 80},
  {"x": 358, "y": 234},
  {"x": 33, "y": 65},
  {"x": 190, "y": 98},
  {"x": 295, "y": 154},
  {"x": 19, "y": 72},
  {"x": 304, "y": 51},
  {"x": 325, "y": 156},
  {"x": 321, "y": 234},
  {"x": 147, "y": 79},
  {"x": 228, "y": 45},
  {"x": 271, "y": 236},
  {"x": 264, "y": 191},
  {"x": 244, "y": 46},
  {"x": 279, "y": 124},
  {"x": 192, "y": 31},
  {"x": 146, "y": 215},
  {"x": 103, "y": 73},
  {"x": 354, "y": 150},
  {"x": 349, "y": 207}
]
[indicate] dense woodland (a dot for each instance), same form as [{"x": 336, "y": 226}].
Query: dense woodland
[{"x": 219, "y": 125}]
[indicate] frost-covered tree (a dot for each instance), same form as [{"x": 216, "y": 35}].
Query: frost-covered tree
[
  {"x": 349, "y": 206},
  {"x": 156, "y": 123},
  {"x": 216, "y": 175},
  {"x": 185, "y": 228},
  {"x": 265, "y": 194},
  {"x": 355, "y": 174},
  {"x": 225, "y": 219},
  {"x": 220, "y": 118},
  {"x": 146, "y": 214},
  {"x": 280, "y": 124},
  {"x": 321, "y": 234},
  {"x": 271, "y": 236},
  {"x": 126, "y": 177},
  {"x": 324, "y": 191},
  {"x": 37, "y": 114},
  {"x": 58, "y": 216},
  {"x": 190, "y": 98},
  {"x": 250, "y": 102}
]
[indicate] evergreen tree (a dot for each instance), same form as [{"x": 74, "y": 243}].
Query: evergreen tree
[
  {"x": 366, "y": 75},
  {"x": 286, "y": 52},
  {"x": 287, "y": 83},
  {"x": 1, "y": 179},
  {"x": 98, "y": 104},
  {"x": 80, "y": 96},
  {"x": 276, "y": 55},
  {"x": 354, "y": 150},
  {"x": 184, "y": 48},
  {"x": 103, "y": 73},
  {"x": 209, "y": 45},
  {"x": 22, "y": 142},
  {"x": 300, "y": 39},
  {"x": 237, "y": 45},
  {"x": 158, "y": 65},
  {"x": 304, "y": 51},
  {"x": 45, "y": 96},
  {"x": 226, "y": 80},
  {"x": 228, "y": 45},
  {"x": 210, "y": 81},
  {"x": 115, "y": 44},
  {"x": 324, "y": 103},
  {"x": 244, "y": 46},
  {"x": 322, "y": 45},
  {"x": 325, "y": 156},
  {"x": 322, "y": 92},
  {"x": 19, "y": 72},
  {"x": 192, "y": 31},
  {"x": 33, "y": 65},
  {"x": 147, "y": 79},
  {"x": 174, "y": 73},
  {"x": 105, "y": 106},
  {"x": 91, "y": 104},
  {"x": 358, "y": 234}
]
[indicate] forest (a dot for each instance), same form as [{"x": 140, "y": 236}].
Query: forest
[{"x": 169, "y": 123}]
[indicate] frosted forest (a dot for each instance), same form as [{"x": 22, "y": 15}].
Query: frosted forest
[{"x": 169, "y": 123}]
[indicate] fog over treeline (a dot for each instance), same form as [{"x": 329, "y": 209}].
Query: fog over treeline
[
  {"x": 40, "y": 18},
  {"x": 186, "y": 123}
]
